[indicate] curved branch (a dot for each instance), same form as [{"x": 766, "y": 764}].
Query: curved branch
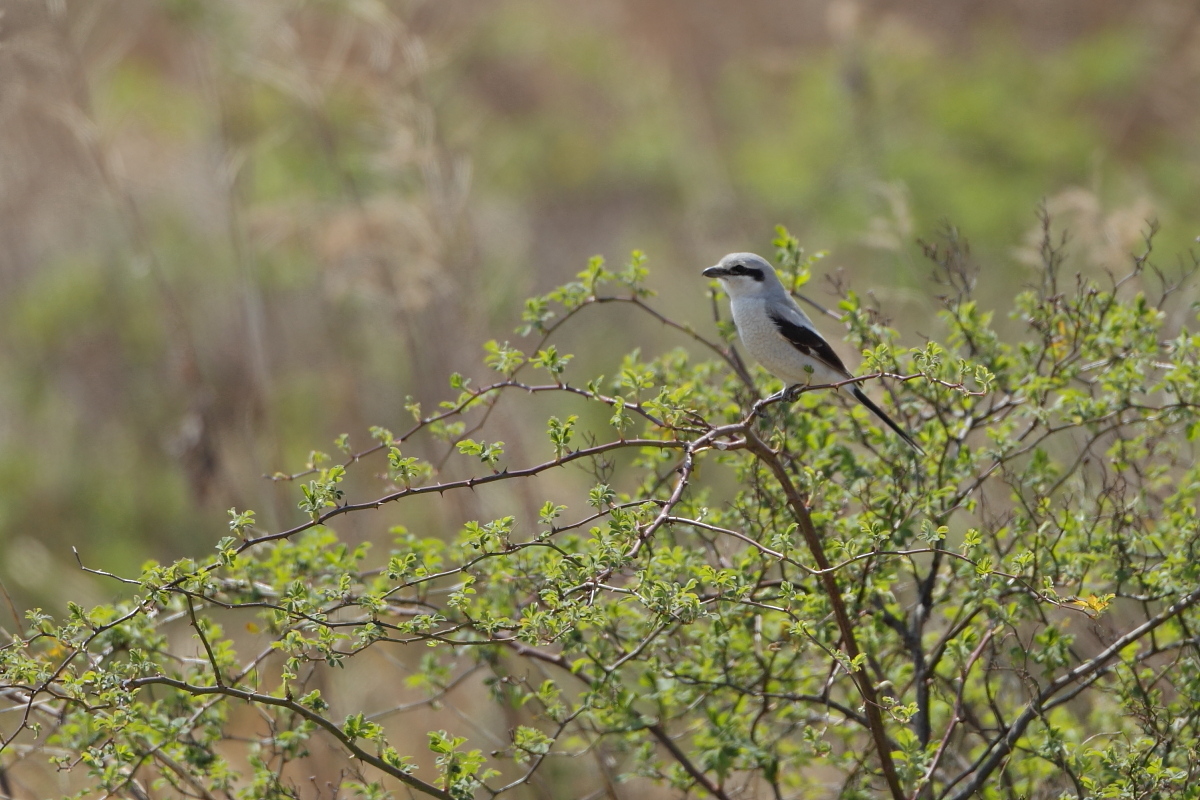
[
  {"x": 467, "y": 483},
  {"x": 310, "y": 715}
]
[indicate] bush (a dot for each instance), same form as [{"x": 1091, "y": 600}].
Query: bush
[{"x": 746, "y": 598}]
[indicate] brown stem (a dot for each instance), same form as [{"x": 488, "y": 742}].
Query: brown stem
[{"x": 870, "y": 700}]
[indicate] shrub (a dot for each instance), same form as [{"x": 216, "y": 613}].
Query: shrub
[{"x": 745, "y": 597}]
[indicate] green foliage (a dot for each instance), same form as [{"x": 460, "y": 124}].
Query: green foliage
[{"x": 736, "y": 594}]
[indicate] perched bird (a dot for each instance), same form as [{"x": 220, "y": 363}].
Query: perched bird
[{"x": 779, "y": 335}]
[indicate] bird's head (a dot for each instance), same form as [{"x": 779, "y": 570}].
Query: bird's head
[{"x": 745, "y": 275}]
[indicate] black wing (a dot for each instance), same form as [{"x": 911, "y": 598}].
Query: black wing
[{"x": 809, "y": 342}]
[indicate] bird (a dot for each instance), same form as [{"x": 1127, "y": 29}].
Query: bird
[{"x": 780, "y": 336}]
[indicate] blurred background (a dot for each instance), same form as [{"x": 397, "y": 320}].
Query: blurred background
[{"x": 231, "y": 231}]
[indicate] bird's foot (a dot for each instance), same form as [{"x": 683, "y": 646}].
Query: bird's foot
[{"x": 792, "y": 393}]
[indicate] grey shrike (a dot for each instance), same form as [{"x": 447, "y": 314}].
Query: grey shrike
[{"x": 779, "y": 334}]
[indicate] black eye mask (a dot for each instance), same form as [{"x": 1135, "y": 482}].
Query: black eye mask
[{"x": 738, "y": 269}]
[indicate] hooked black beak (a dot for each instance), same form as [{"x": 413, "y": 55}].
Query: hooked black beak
[{"x": 715, "y": 272}]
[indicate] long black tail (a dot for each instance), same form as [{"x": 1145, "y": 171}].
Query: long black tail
[{"x": 877, "y": 411}]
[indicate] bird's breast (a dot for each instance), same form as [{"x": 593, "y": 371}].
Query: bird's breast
[{"x": 768, "y": 347}]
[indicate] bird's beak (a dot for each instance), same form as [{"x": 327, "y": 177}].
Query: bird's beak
[{"x": 715, "y": 272}]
